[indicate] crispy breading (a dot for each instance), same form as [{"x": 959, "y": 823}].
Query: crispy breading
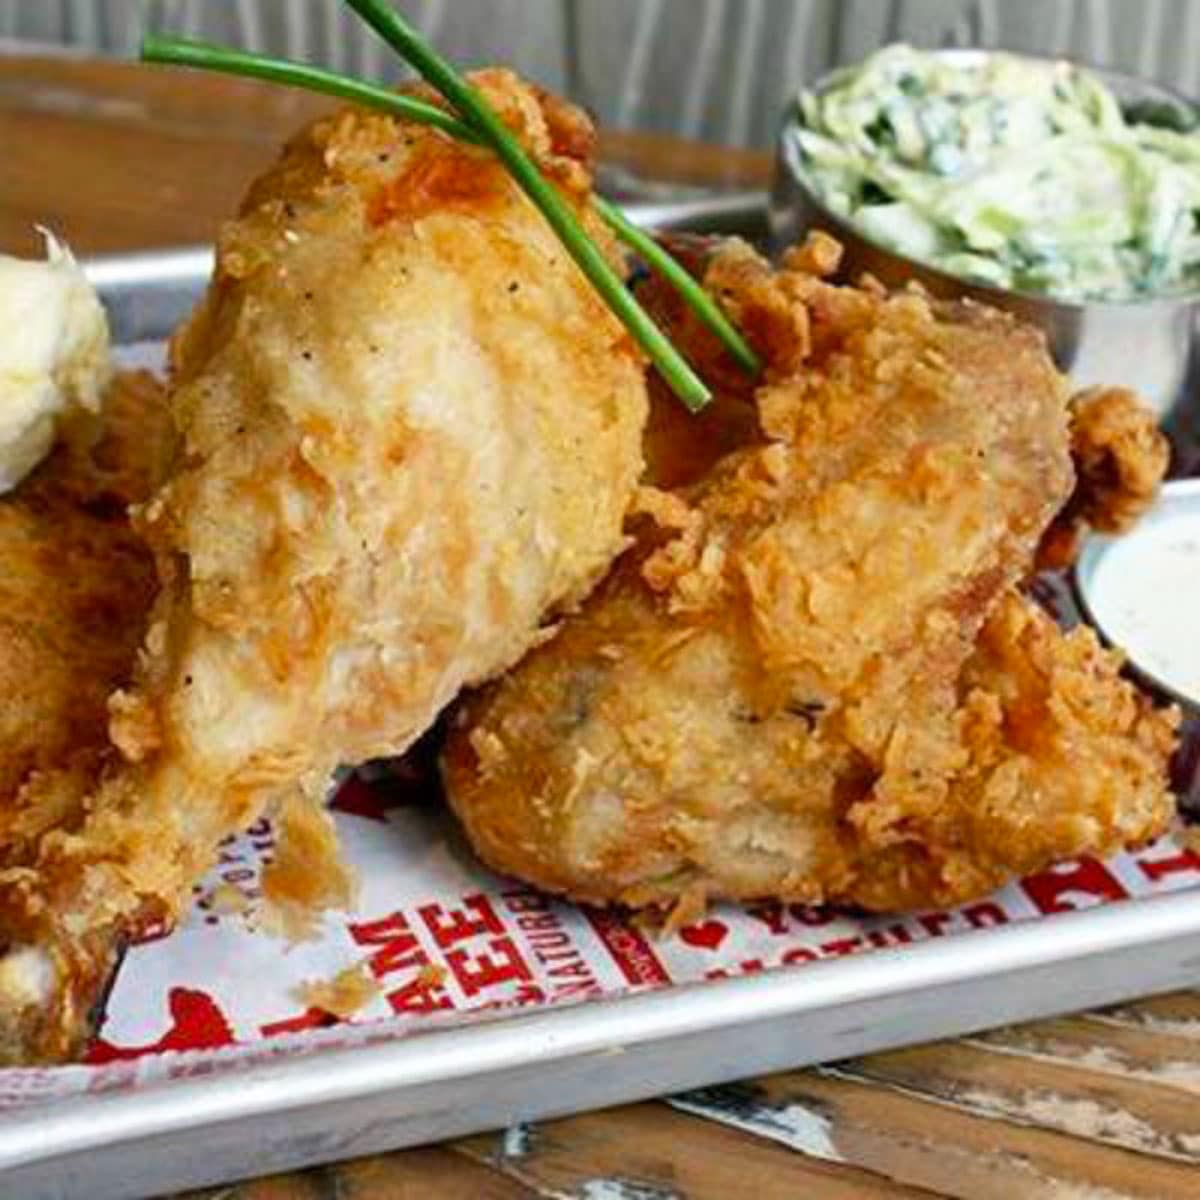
[
  {"x": 812, "y": 678},
  {"x": 1121, "y": 458},
  {"x": 1064, "y": 758},
  {"x": 411, "y": 431},
  {"x": 75, "y": 588}
]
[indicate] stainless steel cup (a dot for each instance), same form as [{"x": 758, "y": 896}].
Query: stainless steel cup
[{"x": 1151, "y": 346}]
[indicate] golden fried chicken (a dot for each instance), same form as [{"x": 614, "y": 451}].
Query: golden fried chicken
[
  {"x": 76, "y": 586},
  {"x": 411, "y": 430},
  {"x": 812, "y": 678},
  {"x": 1063, "y": 758},
  {"x": 1121, "y": 458}
]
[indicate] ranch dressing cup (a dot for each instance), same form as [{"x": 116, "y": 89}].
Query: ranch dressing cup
[{"x": 1141, "y": 591}]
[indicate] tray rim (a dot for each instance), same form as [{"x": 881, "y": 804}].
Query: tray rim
[{"x": 44, "y": 1131}]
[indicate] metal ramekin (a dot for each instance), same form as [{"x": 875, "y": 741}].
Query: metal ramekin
[
  {"x": 1151, "y": 346},
  {"x": 1178, "y": 506}
]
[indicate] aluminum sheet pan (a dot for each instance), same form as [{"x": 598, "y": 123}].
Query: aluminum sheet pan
[
  {"x": 442, "y": 1084},
  {"x": 348, "y": 1102}
]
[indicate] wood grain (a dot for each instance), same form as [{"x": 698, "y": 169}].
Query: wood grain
[
  {"x": 115, "y": 156},
  {"x": 1102, "y": 1106},
  {"x": 1159, "y": 1057},
  {"x": 933, "y": 1140},
  {"x": 410, "y": 1175},
  {"x": 639, "y": 1148},
  {"x": 120, "y": 157},
  {"x": 1177, "y": 1014}
]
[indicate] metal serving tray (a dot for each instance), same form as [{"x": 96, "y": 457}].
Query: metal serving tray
[
  {"x": 448, "y": 1082},
  {"x": 442, "y": 1084}
]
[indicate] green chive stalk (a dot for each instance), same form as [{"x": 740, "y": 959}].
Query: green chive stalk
[
  {"x": 479, "y": 114},
  {"x": 693, "y": 293},
  {"x": 204, "y": 56}
]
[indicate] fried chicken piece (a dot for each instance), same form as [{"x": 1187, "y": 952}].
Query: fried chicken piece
[
  {"x": 1064, "y": 758},
  {"x": 1121, "y": 458},
  {"x": 764, "y": 695},
  {"x": 76, "y": 586},
  {"x": 411, "y": 431}
]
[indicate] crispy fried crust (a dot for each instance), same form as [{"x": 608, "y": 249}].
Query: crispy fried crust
[
  {"x": 411, "y": 430},
  {"x": 813, "y": 678},
  {"x": 76, "y": 586},
  {"x": 1063, "y": 758},
  {"x": 1121, "y": 458}
]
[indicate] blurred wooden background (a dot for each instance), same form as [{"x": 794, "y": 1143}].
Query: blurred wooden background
[{"x": 713, "y": 70}]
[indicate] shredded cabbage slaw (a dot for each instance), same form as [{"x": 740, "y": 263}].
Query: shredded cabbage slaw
[{"x": 1015, "y": 172}]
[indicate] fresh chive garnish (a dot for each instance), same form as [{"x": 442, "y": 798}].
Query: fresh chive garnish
[
  {"x": 479, "y": 114},
  {"x": 490, "y": 130},
  {"x": 204, "y": 56},
  {"x": 701, "y": 302}
]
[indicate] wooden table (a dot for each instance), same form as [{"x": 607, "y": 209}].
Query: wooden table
[{"x": 116, "y": 157}]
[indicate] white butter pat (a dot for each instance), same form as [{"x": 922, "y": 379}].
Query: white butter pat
[{"x": 54, "y": 354}]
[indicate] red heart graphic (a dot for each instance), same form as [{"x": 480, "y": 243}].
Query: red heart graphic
[
  {"x": 707, "y": 935},
  {"x": 197, "y": 1023}
]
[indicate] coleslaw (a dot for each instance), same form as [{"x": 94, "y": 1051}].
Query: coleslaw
[{"x": 1017, "y": 172}]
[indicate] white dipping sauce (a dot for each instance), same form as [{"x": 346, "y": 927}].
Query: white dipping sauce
[{"x": 1144, "y": 593}]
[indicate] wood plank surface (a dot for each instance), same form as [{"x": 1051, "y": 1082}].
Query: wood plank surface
[{"x": 117, "y": 157}]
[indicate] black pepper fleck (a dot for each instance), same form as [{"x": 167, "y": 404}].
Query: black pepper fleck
[{"x": 808, "y": 711}]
